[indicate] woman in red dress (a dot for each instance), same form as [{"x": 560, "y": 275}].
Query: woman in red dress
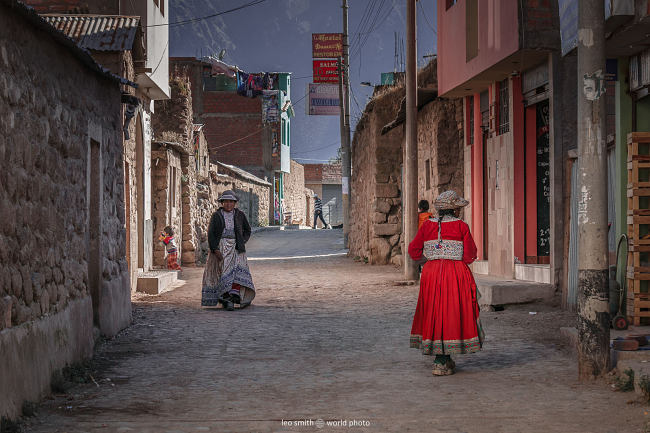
[{"x": 446, "y": 318}]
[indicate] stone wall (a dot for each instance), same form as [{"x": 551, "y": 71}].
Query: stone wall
[
  {"x": 167, "y": 206},
  {"x": 440, "y": 143},
  {"x": 376, "y": 182},
  {"x": 60, "y": 142},
  {"x": 376, "y": 186},
  {"x": 295, "y": 195}
]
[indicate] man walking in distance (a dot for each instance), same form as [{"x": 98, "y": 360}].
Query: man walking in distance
[{"x": 318, "y": 211}]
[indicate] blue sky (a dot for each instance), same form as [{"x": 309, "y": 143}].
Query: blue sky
[{"x": 276, "y": 36}]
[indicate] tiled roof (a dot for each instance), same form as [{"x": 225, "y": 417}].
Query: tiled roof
[
  {"x": 29, "y": 14},
  {"x": 97, "y": 32}
]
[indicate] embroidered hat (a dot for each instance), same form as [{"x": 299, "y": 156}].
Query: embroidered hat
[
  {"x": 228, "y": 195},
  {"x": 449, "y": 200}
]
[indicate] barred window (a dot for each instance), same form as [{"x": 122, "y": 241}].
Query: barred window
[{"x": 504, "y": 108}]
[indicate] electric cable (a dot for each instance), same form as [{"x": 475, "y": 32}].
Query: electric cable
[{"x": 192, "y": 20}]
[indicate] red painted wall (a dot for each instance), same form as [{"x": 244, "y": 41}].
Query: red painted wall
[
  {"x": 477, "y": 179},
  {"x": 498, "y": 38},
  {"x": 517, "y": 127}
]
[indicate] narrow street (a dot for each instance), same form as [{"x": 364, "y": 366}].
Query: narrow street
[{"x": 327, "y": 339}]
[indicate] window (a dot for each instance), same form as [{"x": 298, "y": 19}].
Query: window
[
  {"x": 504, "y": 108},
  {"x": 427, "y": 173},
  {"x": 471, "y": 30},
  {"x": 470, "y": 120}
]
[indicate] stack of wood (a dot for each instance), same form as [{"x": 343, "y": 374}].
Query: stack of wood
[{"x": 638, "y": 223}]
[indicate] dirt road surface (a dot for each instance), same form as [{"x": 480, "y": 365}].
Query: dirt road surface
[{"x": 324, "y": 347}]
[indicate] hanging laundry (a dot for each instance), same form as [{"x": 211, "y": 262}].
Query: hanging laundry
[{"x": 250, "y": 85}]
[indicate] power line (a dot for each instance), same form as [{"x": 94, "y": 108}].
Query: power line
[
  {"x": 427, "y": 19},
  {"x": 316, "y": 149},
  {"x": 240, "y": 139},
  {"x": 192, "y": 20}
]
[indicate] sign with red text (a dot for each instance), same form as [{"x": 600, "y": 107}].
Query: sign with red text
[
  {"x": 327, "y": 45},
  {"x": 326, "y": 71}
]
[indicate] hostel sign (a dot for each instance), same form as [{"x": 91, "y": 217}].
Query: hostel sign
[
  {"x": 326, "y": 71},
  {"x": 326, "y": 45}
]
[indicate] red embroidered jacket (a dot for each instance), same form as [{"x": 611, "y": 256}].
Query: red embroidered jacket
[{"x": 455, "y": 230}]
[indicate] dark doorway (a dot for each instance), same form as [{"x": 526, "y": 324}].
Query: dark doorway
[{"x": 94, "y": 189}]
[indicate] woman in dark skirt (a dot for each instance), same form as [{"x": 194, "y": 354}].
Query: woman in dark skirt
[{"x": 227, "y": 279}]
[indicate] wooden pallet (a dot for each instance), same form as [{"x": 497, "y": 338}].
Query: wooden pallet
[
  {"x": 637, "y": 286},
  {"x": 638, "y": 137},
  {"x": 634, "y": 169},
  {"x": 641, "y": 309},
  {"x": 638, "y": 273},
  {"x": 634, "y": 233}
]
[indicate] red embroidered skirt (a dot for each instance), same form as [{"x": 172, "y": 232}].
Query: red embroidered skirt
[
  {"x": 447, "y": 314},
  {"x": 172, "y": 262}
]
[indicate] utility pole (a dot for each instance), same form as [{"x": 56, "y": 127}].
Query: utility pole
[
  {"x": 346, "y": 160},
  {"x": 410, "y": 181},
  {"x": 593, "y": 288}
]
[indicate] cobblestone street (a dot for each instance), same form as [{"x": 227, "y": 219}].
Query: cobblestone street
[{"x": 327, "y": 339}]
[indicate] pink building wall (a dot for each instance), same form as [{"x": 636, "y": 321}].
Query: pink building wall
[{"x": 498, "y": 38}]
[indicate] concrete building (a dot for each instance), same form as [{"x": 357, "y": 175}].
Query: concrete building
[
  {"x": 121, "y": 36},
  {"x": 325, "y": 180},
  {"x": 627, "y": 24},
  {"x": 61, "y": 203},
  {"x": 503, "y": 57}
]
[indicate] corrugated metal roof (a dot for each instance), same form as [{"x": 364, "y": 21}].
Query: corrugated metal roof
[
  {"x": 30, "y": 15},
  {"x": 97, "y": 32}
]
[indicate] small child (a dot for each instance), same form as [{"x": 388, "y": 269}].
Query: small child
[
  {"x": 423, "y": 212},
  {"x": 167, "y": 238}
]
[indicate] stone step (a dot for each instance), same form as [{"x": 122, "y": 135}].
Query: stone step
[
  {"x": 156, "y": 282},
  {"x": 495, "y": 291}
]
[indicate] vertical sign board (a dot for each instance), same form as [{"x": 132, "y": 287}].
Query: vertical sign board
[
  {"x": 568, "y": 24},
  {"x": 327, "y": 45},
  {"x": 543, "y": 181},
  {"x": 323, "y": 99},
  {"x": 326, "y": 71}
]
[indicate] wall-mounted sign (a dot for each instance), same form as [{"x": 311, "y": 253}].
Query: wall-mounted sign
[
  {"x": 323, "y": 99},
  {"x": 327, "y": 45},
  {"x": 326, "y": 71}
]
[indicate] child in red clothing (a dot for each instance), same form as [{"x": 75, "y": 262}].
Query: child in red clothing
[
  {"x": 167, "y": 238},
  {"x": 423, "y": 212}
]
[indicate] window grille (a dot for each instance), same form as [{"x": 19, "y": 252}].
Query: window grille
[{"x": 504, "y": 108}]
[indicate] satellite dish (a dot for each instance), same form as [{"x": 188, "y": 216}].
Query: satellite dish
[{"x": 222, "y": 53}]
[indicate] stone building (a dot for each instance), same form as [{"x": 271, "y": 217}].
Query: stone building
[
  {"x": 252, "y": 133},
  {"x": 186, "y": 186},
  {"x": 62, "y": 240},
  {"x": 325, "y": 180},
  {"x": 376, "y": 186},
  {"x": 119, "y": 42},
  {"x": 298, "y": 201}
]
